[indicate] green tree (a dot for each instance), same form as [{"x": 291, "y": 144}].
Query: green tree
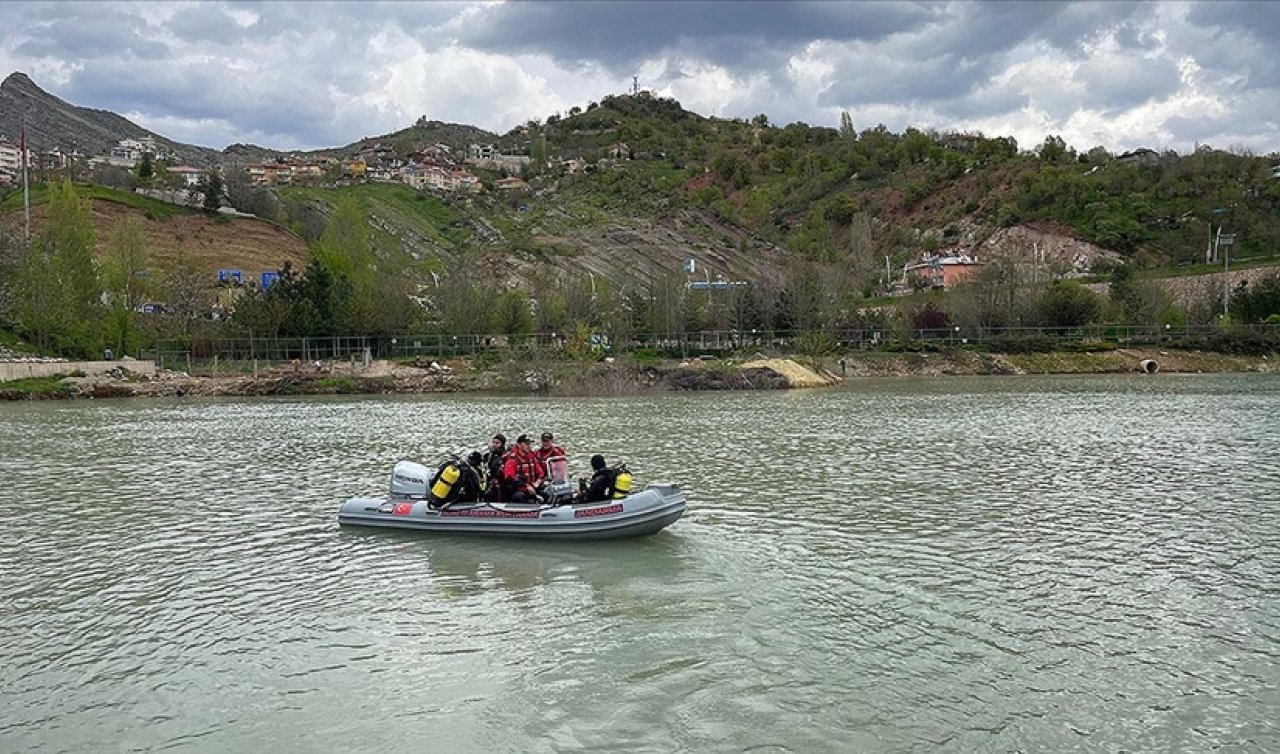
[
  {"x": 146, "y": 169},
  {"x": 1257, "y": 302},
  {"x": 212, "y": 191},
  {"x": 848, "y": 134},
  {"x": 511, "y": 315},
  {"x": 1067, "y": 303},
  {"x": 57, "y": 291},
  {"x": 1054, "y": 149},
  {"x": 125, "y": 271},
  {"x": 1137, "y": 301},
  {"x": 915, "y": 146},
  {"x": 13, "y": 249},
  {"x": 344, "y": 249},
  {"x": 463, "y": 306}
]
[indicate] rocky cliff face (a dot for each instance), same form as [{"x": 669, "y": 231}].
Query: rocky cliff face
[{"x": 53, "y": 123}]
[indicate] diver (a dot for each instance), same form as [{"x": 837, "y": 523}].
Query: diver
[
  {"x": 470, "y": 487},
  {"x": 601, "y": 485},
  {"x": 491, "y": 467},
  {"x": 457, "y": 482}
]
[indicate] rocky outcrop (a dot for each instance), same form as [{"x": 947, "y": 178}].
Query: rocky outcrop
[{"x": 1052, "y": 244}]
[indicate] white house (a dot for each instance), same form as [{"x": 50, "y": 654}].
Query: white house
[
  {"x": 11, "y": 158},
  {"x": 190, "y": 176}
]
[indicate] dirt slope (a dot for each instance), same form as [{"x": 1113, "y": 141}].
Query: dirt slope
[{"x": 252, "y": 246}]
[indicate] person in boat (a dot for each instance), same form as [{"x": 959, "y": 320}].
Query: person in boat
[
  {"x": 471, "y": 481},
  {"x": 601, "y": 485},
  {"x": 491, "y": 466},
  {"x": 521, "y": 473},
  {"x": 548, "y": 450},
  {"x": 466, "y": 488}
]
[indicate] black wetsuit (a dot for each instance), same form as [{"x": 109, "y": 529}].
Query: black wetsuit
[{"x": 601, "y": 486}]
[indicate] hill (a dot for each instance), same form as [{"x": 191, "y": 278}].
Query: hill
[
  {"x": 499, "y": 244},
  {"x": 840, "y": 195},
  {"x": 422, "y": 134},
  {"x": 630, "y": 187},
  {"x": 53, "y": 123}
]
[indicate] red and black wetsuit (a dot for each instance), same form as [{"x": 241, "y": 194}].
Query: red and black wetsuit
[
  {"x": 544, "y": 454},
  {"x": 519, "y": 470}
]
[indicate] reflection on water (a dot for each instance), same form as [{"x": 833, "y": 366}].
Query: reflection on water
[{"x": 991, "y": 564}]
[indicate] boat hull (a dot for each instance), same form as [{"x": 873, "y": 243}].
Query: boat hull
[{"x": 645, "y": 512}]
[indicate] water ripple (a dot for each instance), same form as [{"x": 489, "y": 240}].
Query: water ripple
[{"x": 1021, "y": 564}]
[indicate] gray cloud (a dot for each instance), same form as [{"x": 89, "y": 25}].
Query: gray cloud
[
  {"x": 324, "y": 74},
  {"x": 621, "y": 35},
  {"x": 105, "y": 33},
  {"x": 1114, "y": 84}
]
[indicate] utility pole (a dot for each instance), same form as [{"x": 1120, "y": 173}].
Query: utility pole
[{"x": 1225, "y": 242}]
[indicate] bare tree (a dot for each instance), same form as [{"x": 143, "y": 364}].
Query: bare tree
[{"x": 188, "y": 295}]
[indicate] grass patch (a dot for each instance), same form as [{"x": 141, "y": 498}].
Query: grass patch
[
  {"x": 396, "y": 206},
  {"x": 32, "y": 387},
  {"x": 1193, "y": 270},
  {"x": 152, "y": 208}
]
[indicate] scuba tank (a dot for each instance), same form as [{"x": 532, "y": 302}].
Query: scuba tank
[
  {"x": 444, "y": 481},
  {"x": 622, "y": 483}
]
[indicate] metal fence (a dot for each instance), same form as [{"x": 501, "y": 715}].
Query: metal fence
[{"x": 234, "y": 353}]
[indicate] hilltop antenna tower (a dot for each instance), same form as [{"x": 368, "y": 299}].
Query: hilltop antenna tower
[{"x": 635, "y": 85}]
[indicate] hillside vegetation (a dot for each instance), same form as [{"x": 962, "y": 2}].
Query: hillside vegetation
[
  {"x": 748, "y": 198},
  {"x": 795, "y": 225}
]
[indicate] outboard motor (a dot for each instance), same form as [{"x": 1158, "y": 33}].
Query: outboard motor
[
  {"x": 409, "y": 479},
  {"x": 558, "y": 493}
]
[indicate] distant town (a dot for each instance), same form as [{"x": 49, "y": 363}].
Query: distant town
[{"x": 435, "y": 168}]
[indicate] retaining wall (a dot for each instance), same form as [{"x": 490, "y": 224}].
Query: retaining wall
[{"x": 18, "y": 370}]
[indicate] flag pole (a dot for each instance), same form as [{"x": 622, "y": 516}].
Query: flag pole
[{"x": 26, "y": 188}]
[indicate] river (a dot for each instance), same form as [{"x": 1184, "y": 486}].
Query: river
[{"x": 953, "y": 564}]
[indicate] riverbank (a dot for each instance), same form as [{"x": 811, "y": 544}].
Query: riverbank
[
  {"x": 620, "y": 377},
  {"x": 1118, "y": 361}
]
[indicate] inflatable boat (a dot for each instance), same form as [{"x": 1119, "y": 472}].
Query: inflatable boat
[{"x": 410, "y": 505}]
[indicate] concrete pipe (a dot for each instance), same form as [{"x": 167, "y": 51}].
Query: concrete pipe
[{"x": 1148, "y": 366}]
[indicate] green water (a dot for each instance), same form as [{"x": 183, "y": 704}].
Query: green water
[{"x": 990, "y": 564}]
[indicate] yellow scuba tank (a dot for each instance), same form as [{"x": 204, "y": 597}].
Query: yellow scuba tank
[
  {"x": 445, "y": 481},
  {"x": 622, "y": 484}
]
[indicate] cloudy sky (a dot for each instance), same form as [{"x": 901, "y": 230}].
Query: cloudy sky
[{"x": 1117, "y": 74}]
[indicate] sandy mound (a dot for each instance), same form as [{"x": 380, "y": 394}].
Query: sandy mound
[{"x": 796, "y": 375}]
